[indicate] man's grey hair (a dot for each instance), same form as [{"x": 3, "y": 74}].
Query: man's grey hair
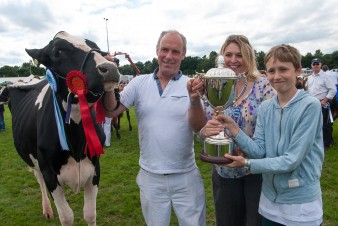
[{"x": 163, "y": 33}]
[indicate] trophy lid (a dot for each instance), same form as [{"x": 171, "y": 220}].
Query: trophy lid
[{"x": 221, "y": 71}]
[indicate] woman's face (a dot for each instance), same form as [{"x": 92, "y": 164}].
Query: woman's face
[{"x": 233, "y": 58}]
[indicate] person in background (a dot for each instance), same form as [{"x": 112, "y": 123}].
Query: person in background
[
  {"x": 334, "y": 102},
  {"x": 168, "y": 177},
  {"x": 108, "y": 120},
  {"x": 333, "y": 75},
  {"x": 2, "y": 119},
  {"x": 300, "y": 83},
  {"x": 107, "y": 130},
  {"x": 321, "y": 86},
  {"x": 236, "y": 191},
  {"x": 107, "y": 125},
  {"x": 287, "y": 146}
]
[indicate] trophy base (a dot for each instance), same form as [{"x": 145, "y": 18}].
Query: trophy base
[{"x": 215, "y": 149}]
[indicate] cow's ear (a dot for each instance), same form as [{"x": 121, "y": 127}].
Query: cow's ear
[
  {"x": 91, "y": 44},
  {"x": 39, "y": 56}
]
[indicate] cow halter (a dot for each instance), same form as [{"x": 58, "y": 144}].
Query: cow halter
[
  {"x": 82, "y": 67},
  {"x": 88, "y": 54},
  {"x": 77, "y": 83}
]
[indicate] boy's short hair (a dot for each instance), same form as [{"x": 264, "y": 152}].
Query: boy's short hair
[{"x": 284, "y": 53}]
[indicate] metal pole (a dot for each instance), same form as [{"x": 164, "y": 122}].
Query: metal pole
[
  {"x": 107, "y": 32},
  {"x": 30, "y": 67}
]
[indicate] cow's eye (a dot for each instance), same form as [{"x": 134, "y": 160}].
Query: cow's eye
[{"x": 57, "y": 52}]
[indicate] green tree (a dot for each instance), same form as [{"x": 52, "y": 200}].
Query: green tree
[
  {"x": 190, "y": 65},
  {"x": 207, "y": 63},
  {"x": 8, "y": 71},
  {"x": 260, "y": 60},
  {"x": 318, "y": 54},
  {"x": 334, "y": 60}
]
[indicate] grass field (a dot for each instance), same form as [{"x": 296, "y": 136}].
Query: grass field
[{"x": 118, "y": 198}]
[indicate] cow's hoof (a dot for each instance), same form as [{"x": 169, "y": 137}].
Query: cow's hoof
[{"x": 48, "y": 214}]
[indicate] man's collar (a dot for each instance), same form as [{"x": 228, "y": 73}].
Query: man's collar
[
  {"x": 319, "y": 72},
  {"x": 175, "y": 78}
]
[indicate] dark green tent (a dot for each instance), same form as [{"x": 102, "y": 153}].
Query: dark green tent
[{"x": 6, "y": 83}]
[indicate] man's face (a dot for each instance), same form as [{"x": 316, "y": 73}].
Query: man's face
[
  {"x": 170, "y": 55},
  {"x": 316, "y": 66}
]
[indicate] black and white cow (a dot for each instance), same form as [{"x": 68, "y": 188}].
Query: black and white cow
[{"x": 35, "y": 131}]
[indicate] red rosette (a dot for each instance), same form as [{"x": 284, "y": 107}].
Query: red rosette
[{"x": 77, "y": 83}]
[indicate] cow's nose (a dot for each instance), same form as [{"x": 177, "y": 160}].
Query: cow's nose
[{"x": 109, "y": 72}]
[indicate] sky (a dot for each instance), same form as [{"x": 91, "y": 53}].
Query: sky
[{"x": 134, "y": 26}]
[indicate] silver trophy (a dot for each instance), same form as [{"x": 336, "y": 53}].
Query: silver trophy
[{"x": 219, "y": 94}]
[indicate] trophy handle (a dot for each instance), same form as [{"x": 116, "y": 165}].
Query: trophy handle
[
  {"x": 214, "y": 160},
  {"x": 231, "y": 98}
]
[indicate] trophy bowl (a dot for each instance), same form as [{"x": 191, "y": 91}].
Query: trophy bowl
[{"x": 219, "y": 94}]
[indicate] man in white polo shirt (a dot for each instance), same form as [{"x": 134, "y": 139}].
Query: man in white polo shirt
[{"x": 169, "y": 177}]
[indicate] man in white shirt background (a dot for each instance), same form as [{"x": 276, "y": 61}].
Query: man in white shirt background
[{"x": 321, "y": 86}]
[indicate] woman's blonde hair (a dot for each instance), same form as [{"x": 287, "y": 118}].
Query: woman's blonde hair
[{"x": 248, "y": 54}]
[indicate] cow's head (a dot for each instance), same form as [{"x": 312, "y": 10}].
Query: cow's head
[{"x": 66, "y": 53}]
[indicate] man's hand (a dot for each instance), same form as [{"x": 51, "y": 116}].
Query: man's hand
[
  {"x": 110, "y": 58},
  {"x": 195, "y": 88},
  {"x": 213, "y": 127},
  {"x": 324, "y": 101}
]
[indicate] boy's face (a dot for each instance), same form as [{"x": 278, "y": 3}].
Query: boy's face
[{"x": 282, "y": 75}]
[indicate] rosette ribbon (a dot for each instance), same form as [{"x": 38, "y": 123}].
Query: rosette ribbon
[
  {"x": 77, "y": 83},
  {"x": 58, "y": 117},
  {"x": 100, "y": 118}
]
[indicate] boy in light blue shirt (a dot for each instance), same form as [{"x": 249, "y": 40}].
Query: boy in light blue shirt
[{"x": 287, "y": 146}]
